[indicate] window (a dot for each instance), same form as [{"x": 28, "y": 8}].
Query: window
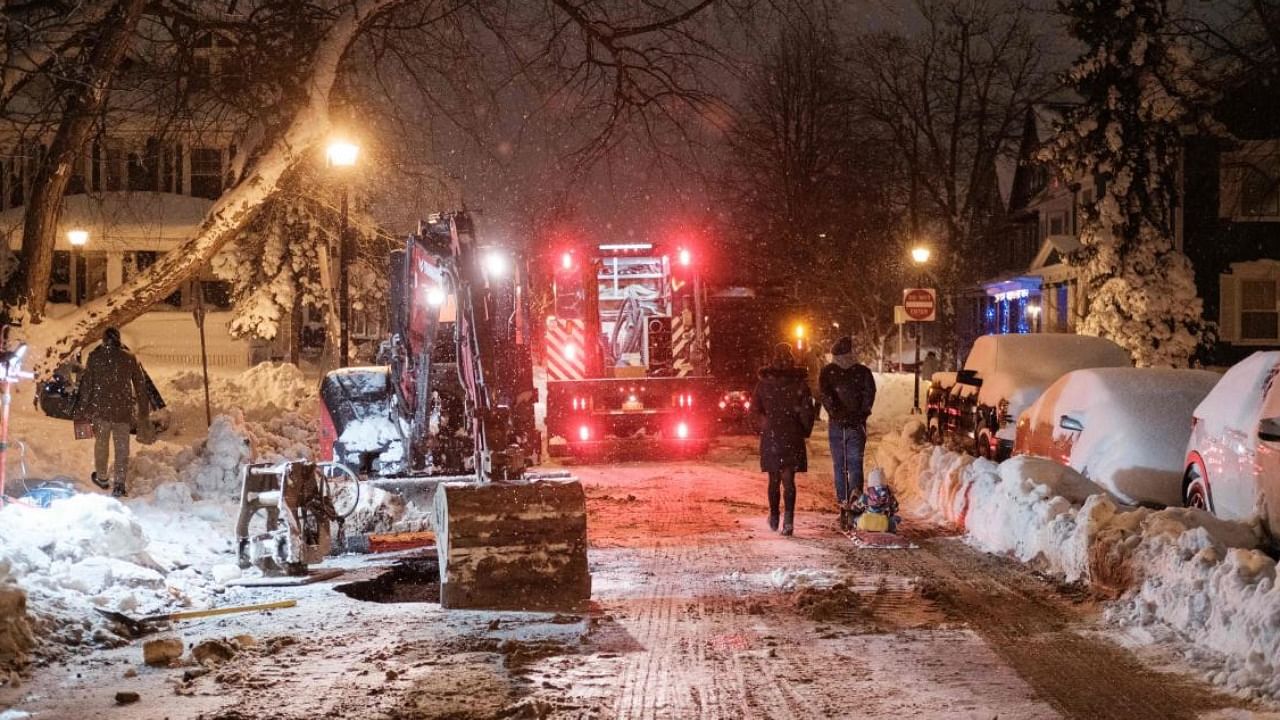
[
  {"x": 1057, "y": 223},
  {"x": 206, "y": 173},
  {"x": 1259, "y": 311}
]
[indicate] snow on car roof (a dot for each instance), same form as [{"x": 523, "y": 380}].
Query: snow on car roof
[
  {"x": 1018, "y": 368},
  {"x": 1237, "y": 401}
]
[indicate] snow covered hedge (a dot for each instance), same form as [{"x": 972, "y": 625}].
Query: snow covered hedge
[{"x": 1177, "y": 574}]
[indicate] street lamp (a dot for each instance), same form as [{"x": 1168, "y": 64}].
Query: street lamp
[
  {"x": 919, "y": 255},
  {"x": 343, "y": 154},
  {"x": 1034, "y": 312},
  {"x": 800, "y": 332},
  {"x": 77, "y": 239}
]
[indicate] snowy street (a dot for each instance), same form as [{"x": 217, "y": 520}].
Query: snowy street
[{"x": 698, "y": 611}]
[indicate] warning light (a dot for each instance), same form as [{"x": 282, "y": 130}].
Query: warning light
[
  {"x": 570, "y": 351},
  {"x": 682, "y": 431},
  {"x": 584, "y": 433},
  {"x": 685, "y": 257},
  {"x": 566, "y": 261}
]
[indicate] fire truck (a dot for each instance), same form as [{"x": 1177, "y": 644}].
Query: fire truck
[{"x": 627, "y": 350}]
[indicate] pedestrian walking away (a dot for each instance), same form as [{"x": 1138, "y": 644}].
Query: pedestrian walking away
[
  {"x": 113, "y": 397},
  {"x": 786, "y": 409},
  {"x": 848, "y": 391}
]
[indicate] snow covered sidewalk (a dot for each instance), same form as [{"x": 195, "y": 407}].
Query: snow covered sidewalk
[{"x": 1181, "y": 577}]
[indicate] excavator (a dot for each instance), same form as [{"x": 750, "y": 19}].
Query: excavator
[{"x": 451, "y": 407}]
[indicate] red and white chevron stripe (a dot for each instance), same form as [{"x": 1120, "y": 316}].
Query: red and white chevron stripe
[{"x": 566, "y": 350}]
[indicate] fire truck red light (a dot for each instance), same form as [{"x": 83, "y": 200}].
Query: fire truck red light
[
  {"x": 685, "y": 257},
  {"x": 570, "y": 351},
  {"x": 584, "y": 433},
  {"x": 682, "y": 431},
  {"x": 566, "y": 261}
]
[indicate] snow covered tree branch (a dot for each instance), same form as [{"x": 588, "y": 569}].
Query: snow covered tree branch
[{"x": 233, "y": 210}]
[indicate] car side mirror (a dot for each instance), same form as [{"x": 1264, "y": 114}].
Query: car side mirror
[
  {"x": 1269, "y": 429},
  {"x": 1066, "y": 422}
]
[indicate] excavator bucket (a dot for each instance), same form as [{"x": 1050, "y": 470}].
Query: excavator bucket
[{"x": 512, "y": 546}]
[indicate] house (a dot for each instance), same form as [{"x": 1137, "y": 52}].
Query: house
[
  {"x": 140, "y": 189},
  {"x": 1227, "y": 222}
]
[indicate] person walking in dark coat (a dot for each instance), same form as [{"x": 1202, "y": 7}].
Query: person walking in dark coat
[
  {"x": 113, "y": 396},
  {"x": 848, "y": 390},
  {"x": 785, "y": 406}
]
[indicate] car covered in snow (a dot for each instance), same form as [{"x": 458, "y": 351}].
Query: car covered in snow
[
  {"x": 1125, "y": 429},
  {"x": 1233, "y": 456},
  {"x": 1002, "y": 376}
]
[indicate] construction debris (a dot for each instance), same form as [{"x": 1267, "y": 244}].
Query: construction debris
[{"x": 126, "y": 697}]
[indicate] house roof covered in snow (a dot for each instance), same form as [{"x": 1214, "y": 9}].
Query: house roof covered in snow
[{"x": 121, "y": 220}]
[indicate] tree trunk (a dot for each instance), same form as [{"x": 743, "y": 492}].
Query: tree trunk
[
  {"x": 295, "y": 330},
  {"x": 88, "y": 96},
  {"x": 229, "y": 215}
]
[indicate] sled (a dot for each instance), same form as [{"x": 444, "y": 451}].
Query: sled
[{"x": 880, "y": 540}]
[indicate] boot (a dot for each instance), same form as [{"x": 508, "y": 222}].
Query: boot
[
  {"x": 99, "y": 481},
  {"x": 773, "y": 521},
  {"x": 119, "y": 491},
  {"x": 844, "y": 519},
  {"x": 787, "y": 524}
]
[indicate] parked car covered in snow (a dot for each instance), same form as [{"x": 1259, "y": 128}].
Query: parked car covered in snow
[
  {"x": 1233, "y": 457},
  {"x": 1002, "y": 376},
  {"x": 1125, "y": 429}
]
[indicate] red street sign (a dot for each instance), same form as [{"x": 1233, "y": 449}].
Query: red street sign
[{"x": 921, "y": 304}]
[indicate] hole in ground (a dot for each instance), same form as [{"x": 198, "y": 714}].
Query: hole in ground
[{"x": 410, "y": 580}]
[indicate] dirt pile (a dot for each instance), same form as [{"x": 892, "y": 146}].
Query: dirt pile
[{"x": 837, "y": 603}]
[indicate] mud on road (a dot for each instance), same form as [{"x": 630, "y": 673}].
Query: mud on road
[{"x": 698, "y": 612}]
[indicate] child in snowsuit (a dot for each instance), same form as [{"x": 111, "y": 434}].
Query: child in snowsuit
[{"x": 877, "y": 508}]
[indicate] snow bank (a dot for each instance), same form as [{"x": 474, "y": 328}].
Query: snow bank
[
  {"x": 171, "y": 544},
  {"x": 1180, "y": 574}
]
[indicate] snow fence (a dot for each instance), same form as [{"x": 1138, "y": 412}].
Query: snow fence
[{"x": 1178, "y": 575}]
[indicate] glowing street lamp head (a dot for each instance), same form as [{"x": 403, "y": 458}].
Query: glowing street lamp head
[
  {"x": 78, "y": 238},
  {"x": 800, "y": 331},
  {"x": 920, "y": 255},
  {"x": 496, "y": 264},
  {"x": 341, "y": 153}
]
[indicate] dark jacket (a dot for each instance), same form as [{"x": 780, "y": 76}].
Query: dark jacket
[
  {"x": 847, "y": 394},
  {"x": 112, "y": 387},
  {"x": 785, "y": 405}
]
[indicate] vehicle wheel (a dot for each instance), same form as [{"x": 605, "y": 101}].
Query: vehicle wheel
[
  {"x": 1195, "y": 493},
  {"x": 987, "y": 445},
  {"x": 933, "y": 432}
]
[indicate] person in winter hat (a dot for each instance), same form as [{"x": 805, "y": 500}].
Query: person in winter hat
[
  {"x": 113, "y": 397},
  {"x": 786, "y": 409},
  {"x": 847, "y": 390},
  {"x": 877, "y": 508}
]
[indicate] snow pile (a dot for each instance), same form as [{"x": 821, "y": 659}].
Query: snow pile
[
  {"x": 83, "y": 552},
  {"x": 1178, "y": 573}
]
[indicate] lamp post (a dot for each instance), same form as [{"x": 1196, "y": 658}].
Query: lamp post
[
  {"x": 342, "y": 154},
  {"x": 77, "y": 239},
  {"x": 919, "y": 256}
]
